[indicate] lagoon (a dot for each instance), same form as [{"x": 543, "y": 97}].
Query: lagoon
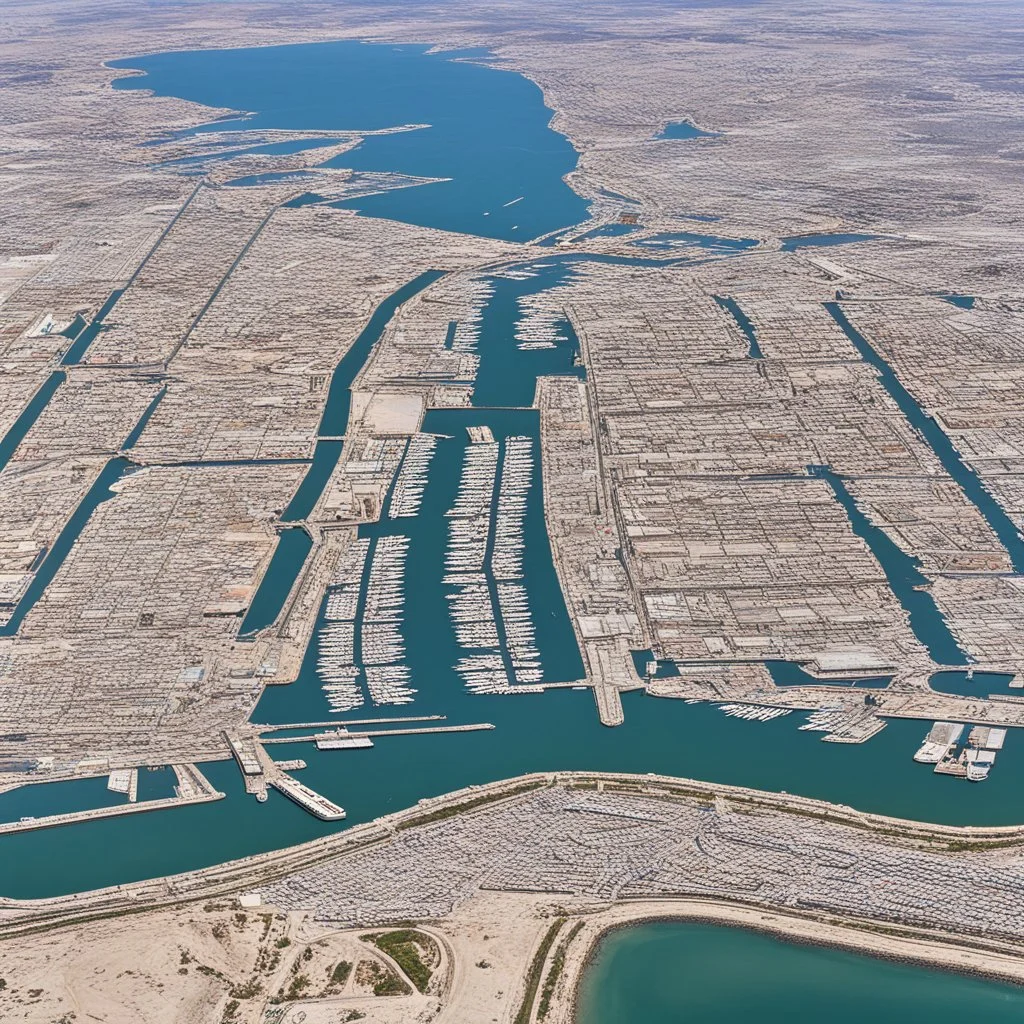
[
  {"x": 483, "y": 129},
  {"x": 667, "y": 972}
]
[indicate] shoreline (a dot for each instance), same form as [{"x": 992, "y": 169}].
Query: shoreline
[
  {"x": 909, "y": 950},
  {"x": 19, "y": 916}
]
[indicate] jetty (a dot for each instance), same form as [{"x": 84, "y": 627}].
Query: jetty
[{"x": 193, "y": 788}]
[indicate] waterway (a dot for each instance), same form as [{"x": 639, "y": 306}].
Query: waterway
[
  {"x": 667, "y": 972},
  {"x": 903, "y": 575},
  {"x": 937, "y": 439},
  {"x": 483, "y": 129},
  {"x": 556, "y": 730},
  {"x": 743, "y": 322},
  {"x": 794, "y": 242},
  {"x": 100, "y": 491}
]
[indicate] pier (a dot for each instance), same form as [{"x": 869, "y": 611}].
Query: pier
[
  {"x": 192, "y": 788},
  {"x": 375, "y": 733}
]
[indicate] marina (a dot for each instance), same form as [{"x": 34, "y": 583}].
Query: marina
[{"x": 430, "y": 460}]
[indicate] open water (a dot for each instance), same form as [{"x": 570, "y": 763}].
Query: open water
[
  {"x": 478, "y": 116},
  {"x": 670, "y": 972}
]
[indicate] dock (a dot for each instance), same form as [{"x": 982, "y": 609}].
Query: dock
[
  {"x": 350, "y": 722},
  {"x": 316, "y": 737},
  {"x": 938, "y": 743},
  {"x": 341, "y": 739},
  {"x": 307, "y": 799},
  {"x": 193, "y": 788},
  {"x": 126, "y": 781}
]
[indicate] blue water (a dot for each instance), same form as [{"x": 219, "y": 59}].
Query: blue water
[
  {"x": 82, "y": 337},
  {"x": 297, "y": 87},
  {"x": 507, "y": 374},
  {"x": 136, "y": 431},
  {"x": 294, "y": 545},
  {"x": 489, "y": 129},
  {"x": 290, "y": 554},
  {"x": 960, "y": 301},
  {"x": 21, "y": 426},
  {"x": 156, "y": 783},
  {"x": 969, "y": 481},
  {"x": 98, "y": 493},
  {"x": 685, "y": 130},
  {"x": 85, "y": 338},
  {"x": 817, "y": 241},
  {"x": 335, "y": 417},
  {"x": 270, "y": 178},
  {"x": 558, "y": 730},
  {"x": 670, "y": 972},
  {"x": 325, "y": 458},
  {"x": 616, "y": 230},
  {"x": 743, "y": 321},
  {"x": 903, "y": 573},
  {"x": 980, "y": 684},
  {"x": 40, "y": 799}
]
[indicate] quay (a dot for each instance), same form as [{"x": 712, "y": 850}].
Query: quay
[
  {"x": 193, "y": 788},
  {"x": 475, "y": 727},
  {"x": 356, "y": 721}
]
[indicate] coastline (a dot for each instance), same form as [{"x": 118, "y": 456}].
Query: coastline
[
  {"x": 909, "y": 949},
  {"x": 19, "y": 916}
]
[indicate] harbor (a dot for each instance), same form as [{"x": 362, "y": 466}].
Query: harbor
[{"x": 523, "y": 455}]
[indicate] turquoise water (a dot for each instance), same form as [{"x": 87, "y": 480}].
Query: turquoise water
[
  {"x": 23, "y": 424},
  {"x": 615, "y": 230},
  {"x": 969, "y": 481},
  {"x": 290, "y": 554},
  {"x": 294, "y": 545},
  {"x": 980, "y": 684},
  {"x": 558, "y": 730},
  {"x": 786, "y": 673},
  {"x": 668, "y": 240},
  {"x": 44, "y": 798},
  {"x": 508, "y": 375},
  {"x": 85, "y": 338},
  {"x": 669, "y": 972},
  {"x": 156, "y": 783},
  {"x": 136, "y": 431},
  {"x": 40, "y": 799},
  {"x": 488, "y": 128},
  {"x": 555, "y": 730}
]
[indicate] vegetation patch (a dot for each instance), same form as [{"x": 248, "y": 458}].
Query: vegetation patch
[
  {"x": 382, "y": 980},
  {"x": 413, "y": 951},
  {"x": 555, "y": 971},
  {"x": 467, "y": 805},
  {"x": 341, "y": 972},
  {"x": 533, "y": 976}
]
